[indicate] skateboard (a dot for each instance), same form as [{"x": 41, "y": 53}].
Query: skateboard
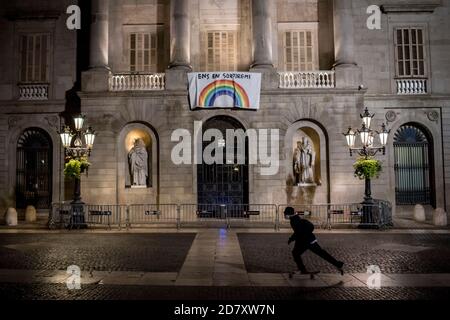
[{"x": 312, "y": 275}]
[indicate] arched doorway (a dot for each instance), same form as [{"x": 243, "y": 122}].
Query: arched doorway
[
  {"x": 34, "y": 169},
  {"x": 413, "y": 152},
  {"x": 223, "y": 183}
]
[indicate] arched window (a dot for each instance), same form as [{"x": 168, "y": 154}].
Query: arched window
[
  {"x": 413, "y": 166},
  {"x": 34, "y": 169}
]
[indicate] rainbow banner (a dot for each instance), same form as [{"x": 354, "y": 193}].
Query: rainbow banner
[{"x": 240, "y": 90}]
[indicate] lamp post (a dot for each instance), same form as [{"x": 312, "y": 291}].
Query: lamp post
[
  {"x": 367, "y": 150},
  {"x": 75, "y": 147}
]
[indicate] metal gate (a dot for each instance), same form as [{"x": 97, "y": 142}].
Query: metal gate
[
  {"x": 412, "y": 166},
  {"x": 34, "y": 169},
  {"x": 226, "y": 183}
]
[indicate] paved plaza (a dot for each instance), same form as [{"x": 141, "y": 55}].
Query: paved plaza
[{"x": 220, "y": 264}]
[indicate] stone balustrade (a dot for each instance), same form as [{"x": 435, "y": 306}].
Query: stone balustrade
[
  {"x": 412, "y": 86},
  {"x": 307, "y": 80},
  {"x": 137, "y": 82},
  {"x": 35, "y": 91}
]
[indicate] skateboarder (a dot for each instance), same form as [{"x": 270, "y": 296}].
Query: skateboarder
[{"x": 306, "y": 240}]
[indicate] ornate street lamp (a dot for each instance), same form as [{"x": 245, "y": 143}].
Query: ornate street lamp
[
  {"x": 367, "y": 150},
  {"x": 77, "y": 145},
  {"x": 367, "y": 136}
]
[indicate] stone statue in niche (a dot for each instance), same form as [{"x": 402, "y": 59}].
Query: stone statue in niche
[
  {"x": 304, "y": 159},
  {"x": 138, "y": 158}
]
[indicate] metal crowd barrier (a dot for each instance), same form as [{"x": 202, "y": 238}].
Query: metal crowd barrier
[
  {"x": 378, "y": 215},
  {"x": 105, "y": 215},
  {"x": 316, "y": 214},
  {"x": 151, "y": 214},
  {"x": 197, "y": 215},
  {"x": 62, "y": 215},
  {"x": 252, "y": 215}
]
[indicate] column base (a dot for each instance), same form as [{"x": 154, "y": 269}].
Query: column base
[
  {"x": 176, "y": 78},
  {"x": 348, "y": 76},
  {"x": 95, "y": 80},
  {"x": 180, "y": 66},
  {"x": 269, "y": 76}
]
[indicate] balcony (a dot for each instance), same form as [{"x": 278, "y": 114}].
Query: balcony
[
  {"x": 33, "y": 92},
  {"x": 307, "y": 80},
  {"x": 137, "y": 82},
  {"x": 412, "y": 86}
]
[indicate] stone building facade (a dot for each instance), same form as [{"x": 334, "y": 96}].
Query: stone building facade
[{"x": 126, "y": 70}]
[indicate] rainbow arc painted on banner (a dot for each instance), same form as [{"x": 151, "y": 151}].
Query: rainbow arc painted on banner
[{"x": 219, "y": 88}]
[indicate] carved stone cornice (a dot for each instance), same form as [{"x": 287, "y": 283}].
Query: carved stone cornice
[
  {"x": 425, "y": 7},
  {"x": 37, "y": 15}
]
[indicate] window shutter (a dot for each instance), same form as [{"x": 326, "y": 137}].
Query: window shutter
[
  {"x": 409, "y": 52},
  {"x": 299, "y": 50}
]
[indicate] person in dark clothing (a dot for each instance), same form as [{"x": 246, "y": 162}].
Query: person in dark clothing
[{"x": 306, "y": 240}]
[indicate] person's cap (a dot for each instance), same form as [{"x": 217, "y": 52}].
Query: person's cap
[{"x": 289, "y": 211}]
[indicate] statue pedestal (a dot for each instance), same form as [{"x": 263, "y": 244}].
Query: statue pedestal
[
  {"x": 138, "y": 187},
  {"x": 303, "y": 184}
]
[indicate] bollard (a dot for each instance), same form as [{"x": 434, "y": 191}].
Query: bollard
[
  {"x": 30, "y": 214},
  {"x": 11, "y": 217},
  {"x": 178, "y": 217},
  {"x": 419, "y": 213},
  {"x": 440, "y": 217}
]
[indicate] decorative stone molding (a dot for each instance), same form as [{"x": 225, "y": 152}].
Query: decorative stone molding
[
  {"x": 410, "y": 8},
  {"x": 433, "y": 115},
  {"x": 53, "y": 121},
  {"x": 391, "y": 116},
  {"x": 37, "y": 15},
  {"x": 13, "y": 120}
]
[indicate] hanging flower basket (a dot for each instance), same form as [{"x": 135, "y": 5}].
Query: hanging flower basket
[
  {"x": 75, "y": 167},
  {"x": 367, "y": 168}
]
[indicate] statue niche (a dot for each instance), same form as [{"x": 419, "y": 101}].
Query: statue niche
[
  {"x": 138, "y": 164},
  {"x": 304, "y": 163}
]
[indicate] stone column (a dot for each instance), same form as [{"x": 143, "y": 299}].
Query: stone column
[
  {"x": 96, "y": 78},
  {"x": 180, "y": 45},
  {"x": 99, "y": 34},
  {"x": 343, "y": 32},
  {"x": 348, "y": 74},
  {"x": 264, "y": 17},
  {"x": 263, "y": 12},
  {"x": 180, "y": 32}
]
